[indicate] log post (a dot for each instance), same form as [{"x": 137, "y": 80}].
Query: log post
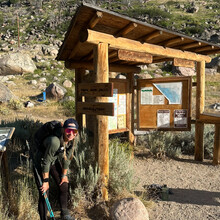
[
  {"x": 78, "y": 79},
  {"x": 216, "y": 151},
  {"x": 200, "y": 100},
  {"x": 101, "y": 138},
  {"x": 131, "y": 107}
]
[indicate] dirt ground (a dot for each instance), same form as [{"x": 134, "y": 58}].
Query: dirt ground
[{"x": 195, "y": 187}]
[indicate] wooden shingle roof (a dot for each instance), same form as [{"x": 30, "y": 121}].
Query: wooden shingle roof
[{"x": 100, "y": 20}]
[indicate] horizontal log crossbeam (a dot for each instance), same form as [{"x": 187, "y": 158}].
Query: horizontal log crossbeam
[
  {"x": 112, "y": 67},
  {"x": 95, "y": 37}
]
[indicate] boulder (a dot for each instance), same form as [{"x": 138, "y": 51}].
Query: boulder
[
  {"x": 54, "y": 90},
  {"x": 183, "y": 71},
  {"x": 129, "y": 208},
  {"x": 214, "y": 64},
  {"x": 16, "y": 63},
  {"x": 5, "y": 94},
  {"x": 67, "y": 83}
]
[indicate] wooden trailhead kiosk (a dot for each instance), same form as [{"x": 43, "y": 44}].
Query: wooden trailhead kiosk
[{"x": 99, "y": 42}]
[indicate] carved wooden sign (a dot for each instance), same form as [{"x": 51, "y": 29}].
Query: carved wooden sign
[
  {"x": 95, "y": 108},
  {"x": 183, "y": 63},
  {"x": 96, "y": 89}
]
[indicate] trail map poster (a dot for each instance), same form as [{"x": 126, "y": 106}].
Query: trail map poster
[{"x": 172, "y": 91}]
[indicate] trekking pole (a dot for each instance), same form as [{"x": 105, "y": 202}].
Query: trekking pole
[{"x": 40, "y": 182}]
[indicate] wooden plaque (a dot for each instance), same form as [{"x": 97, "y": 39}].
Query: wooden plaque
[
  {"x": 96, "y": 89},
  {"x": 95, "y": 108}
]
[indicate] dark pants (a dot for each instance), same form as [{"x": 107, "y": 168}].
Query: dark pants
[{"x": 55, "y": 172}]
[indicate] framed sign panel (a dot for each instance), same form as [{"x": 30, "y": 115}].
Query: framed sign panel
[
  {"x": 164, "y": 103},
  {"x": 119, "y": 121},
  {"x": 5, "y": 135}
]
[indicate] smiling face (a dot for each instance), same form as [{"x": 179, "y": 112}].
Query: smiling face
[{"x": 70, "y": 134}]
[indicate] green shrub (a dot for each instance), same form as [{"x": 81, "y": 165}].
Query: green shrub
[
  {"x": 84, "y": 171},
  {"x": 120, "y": 167},
  {"x": 15, "y": 104}
]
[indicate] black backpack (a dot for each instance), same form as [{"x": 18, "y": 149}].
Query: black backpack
[{"x": 45, "y": 131}]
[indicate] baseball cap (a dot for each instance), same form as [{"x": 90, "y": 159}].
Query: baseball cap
[{"x": 71, "y": 124}]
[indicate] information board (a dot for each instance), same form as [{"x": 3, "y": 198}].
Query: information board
[
  {"x": 164, "y": 103},
  {"x": 118, "y": 122},
  {"x": 5, "y": 135}
]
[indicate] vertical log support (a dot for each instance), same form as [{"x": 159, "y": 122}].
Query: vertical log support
[
  {"x": 216, "y": 151},
  {"x": 78, "y": 79},
  {"x": 101, "y": 137},
  {"x": 131, "y": 107},
  {"x": 200, "y": 100}
]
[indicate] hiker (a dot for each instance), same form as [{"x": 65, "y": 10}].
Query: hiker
[{"x": 53, "y": 158}]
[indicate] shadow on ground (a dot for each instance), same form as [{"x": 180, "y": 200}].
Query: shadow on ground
[{"x": 192, "y": 196}]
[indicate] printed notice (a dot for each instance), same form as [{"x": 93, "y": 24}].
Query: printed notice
[
  {"x": 146, "y": 95},
  {"x": 122, "y": 104},
  {"x": 158, "y": 99},
  {"x": 180, "y": 118},
  {"x": 112, "y": 120},
  {"x": 121, "y": 121},
  {"x": 163, "y": 118}
]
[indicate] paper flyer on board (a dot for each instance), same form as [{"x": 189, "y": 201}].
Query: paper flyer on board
[
  {"x": 163, "y": 118},
  {"x": 180, "y": 118},
  {"x": 146, "y": 95}
]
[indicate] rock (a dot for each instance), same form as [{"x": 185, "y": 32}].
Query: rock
[
  {"x": 43, "y": 79},
  {"x": 5, "y": 94},
  {"x": 29, "y": 104},
  {"x": 215, "y": 106},
  {"x": 16, "y": 63},
  {"x": 67, "y": 83},
  {"x": 210, "y": 71},
  {"x": 33, "y": 82},
  {"x": 54, "y": 90},
  {"x": 214, "y": 64},
  {"x": 129, "y": 208},
  {"x": 183, "y": 71},
  {"x": 215, "y": 38}
]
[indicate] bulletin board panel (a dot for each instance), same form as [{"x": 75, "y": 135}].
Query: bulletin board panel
[
  {"x": 164, "y": 103},
  {"x": 119, "y": 122}
]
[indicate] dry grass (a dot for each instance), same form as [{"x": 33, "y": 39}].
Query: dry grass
[{"x": 43, "y": 111}]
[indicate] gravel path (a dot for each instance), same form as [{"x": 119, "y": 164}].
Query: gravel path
[{"x": 195, "y": 187}]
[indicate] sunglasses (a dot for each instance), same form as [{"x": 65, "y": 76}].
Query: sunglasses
[{"x": 68, "y": 131}]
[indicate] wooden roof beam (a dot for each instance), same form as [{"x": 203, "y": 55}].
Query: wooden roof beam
[
  {"x": 214, "y": 52},
  {"x": 200, "y": 49},
  {"x": 130, "y": 27},
  {"x": 160, "y": 60},
  {"x": 171, "y": 41},
  {"x": 74, "y": 51},
  {"x": 151, "y": 36},
  {"x": 98, "y": 15},
  {"x": 95, "y": 37},
  {"x": 112, "y": 67},
  {"x": 190, "y": 45}
]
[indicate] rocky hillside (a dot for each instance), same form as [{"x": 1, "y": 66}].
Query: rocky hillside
[{"x": 46, "y": 21}]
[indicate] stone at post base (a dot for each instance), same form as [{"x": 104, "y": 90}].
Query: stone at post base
[{"x": 129, "y": 208}]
